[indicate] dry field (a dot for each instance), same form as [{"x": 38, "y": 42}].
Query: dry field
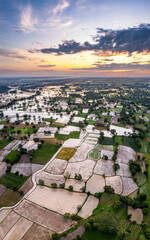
[
  {"x": 87, "y": 209},
  {"x": 44, "y": 217},
  {"x": 57, "y": 200},
  {"x": 104, "y": 167},
  {"x": 50, "y": 178},
  {"x": 129, "y": 186},
  {"x": 85, "y": 168},
  {"x": 58, "y": 166},
  {"x": 136, "y": 214},
  {"x": 116, "y": 183},
  {"x": 95, "y": 184}
]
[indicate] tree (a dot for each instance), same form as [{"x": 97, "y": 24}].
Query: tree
[
  {"x": 70, "y": 188},
  {"x": 116, "y": 167}
]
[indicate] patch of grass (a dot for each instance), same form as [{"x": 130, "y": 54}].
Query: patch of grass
[
  {"x": 4, "y": 142},
  {"x": 140, "y": 178},
  {"x": 92, "y": 234},
  {"x": 107, "y": 141},
  {"x": 118, "y": 139},
  {"x": 74, "y": 134},
  {"x": 108, "y": 198},
  {"x": 74, "y": 124},
  {"x": 3, "y": 122},
  {"x": 140, "y": 126},
  {"x": 90, "y": 122},
  {"x": 83, "y": 115},
  {"x": 44, "y": 154},
  {"x": 63, "y": 137},
  {"x": 9, "y": 198},
  {"x": 12, "y": 157},
  {"x": 130, "y": 142},
  {"x": 11, "y": 180},
  {"x": 134, "y": 232},
  {"x": 145, "y": 147},
  {"x": 94, "y": 154},
  {"x": 66, "y": 153}
]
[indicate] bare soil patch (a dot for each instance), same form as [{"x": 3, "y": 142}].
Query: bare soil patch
[
  {"x": 136, "y": 214},
  {"x": 95, "y": 184},
  {"x": 19, "y": 229},
  {"x": 58, "y": 166},
  {"x": 87, "y": 209},
  {"x": 44, "y": 217},
  {"x": 37, "y": 232},
  {"x": 58, "y": 200}
]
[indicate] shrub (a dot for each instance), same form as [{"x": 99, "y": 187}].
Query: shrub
[
  {"x": 21, "y": 192},
  {"x": 54, "y": 185},
  {"x": 41, "y": 182},
  {"x": 95, "y": 226},
  {"x": 78, "y": 176},
  {"x": 108, "y": 189},
  {"x": 70, "y": 188},
  {"x": 55, "y": 236},
  {"x": 66, "y": 215},
  {"x": 8, "y": 169},
  {"x": 62, "y": 185},
  {"x": 98, "y": 194}
]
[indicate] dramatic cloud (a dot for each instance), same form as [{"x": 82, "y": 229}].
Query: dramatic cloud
[
  {"x": 28, "y": 21},
  {"x": 125, "y": 40},
  {"x": 47, "y": 66}
]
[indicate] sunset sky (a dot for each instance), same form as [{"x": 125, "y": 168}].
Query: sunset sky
[{"x": 75, "y": 38}]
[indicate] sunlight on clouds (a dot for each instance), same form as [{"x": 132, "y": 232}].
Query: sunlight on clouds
[{"x": 28, "y": 22}]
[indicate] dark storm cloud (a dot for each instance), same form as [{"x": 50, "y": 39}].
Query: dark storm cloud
[{"x": 125, "y": 40}]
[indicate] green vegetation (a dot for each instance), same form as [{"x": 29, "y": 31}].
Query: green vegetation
[
  {"x": 65, "y": 137},
  {"x": 4, "y": 142},
  {"x": 90, "y": 122},
  {"x": 45, "y": 153},
  {"x": 12, "y": 157},
  {"x": 9, "y": 198},
  {"x": 12, "y": 181},
  {"x": 94, "y": 154},
  {"x": 3, "y": 122},
  {"x": 107, "y": 141}
]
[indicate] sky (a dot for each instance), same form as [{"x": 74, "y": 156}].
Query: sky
[{"x": 103, "y": 38}]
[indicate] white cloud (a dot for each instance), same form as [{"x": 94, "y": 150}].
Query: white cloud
[
  {"x": 61, "y": 6},
  {"x": 28, "y": 21}
]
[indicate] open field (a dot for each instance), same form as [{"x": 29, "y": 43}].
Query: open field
[
  {"x": 85, "y": 168},
  {"x": 59, "y": 202},
  {"x": 87, "y": 210},
  {"x": 9, "y": 198},
  {"x": 58, "y": 166},
  {"x": 12, "y": 180},
  {"x": 44, "y": 217},
  {"x": 66, "y": 153},
  {"x": 3, "y": 143},
  {"x": 95, "y": 184},
  {"x": 44, "y": 154}
]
